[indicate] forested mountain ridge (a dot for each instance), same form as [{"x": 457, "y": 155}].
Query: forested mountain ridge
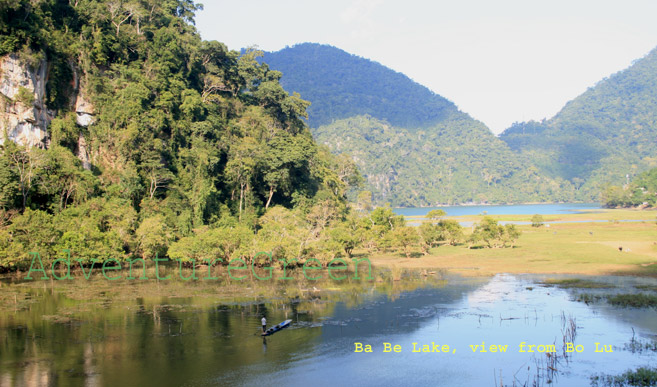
[
  {"x": 414, "y": 147},
  {"x": 341, "y": 85},
  {"x": 601, "y": 136},
  {"x": 597, "y": 139},
  {"x": 449, "y": 163}
]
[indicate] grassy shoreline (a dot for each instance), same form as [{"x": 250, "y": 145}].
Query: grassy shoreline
[
  {"x": 589, "y": 247},
  {"x": 585, "y": 248},
  {"x": 579, "y": 216}
]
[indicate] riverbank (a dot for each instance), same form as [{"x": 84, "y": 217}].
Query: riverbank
[{"x": 588, "y": 247}]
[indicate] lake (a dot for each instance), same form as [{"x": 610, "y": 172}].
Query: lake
[
  {"x": 510, "y": 209},
  {"x": 201, "y": 339}
]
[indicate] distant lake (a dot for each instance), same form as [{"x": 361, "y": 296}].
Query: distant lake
[{"x": 510, "y": 209}]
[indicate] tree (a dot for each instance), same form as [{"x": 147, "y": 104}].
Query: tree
[
  {"x": 511, "y": 234},
  {"x": 430, "y": 234},
  {"x": 488, "y": 231},
  {"x": 345, "y": 237},
  {"x": 283, "y": 232},
  {"x": 406, "y": 237},
  {"x": 435, "y": 214},
  {"x": 155, "y": 172},
  {"x": 537, "y": 220},
  {"x": 10, "y": 190},
  {"x": 64, "y": 179},
  {"x": 383, "y": 216},
  {"x": 451, "y": 231},
  {"x": 241, "y": 166},
  {"x": 31, "y": 231},
  {"x": 153, "y": 237},
  {"x": 364, "y": 201},
  {"x": 26, "y": 164},
  {"x": 493, "y": 234}
]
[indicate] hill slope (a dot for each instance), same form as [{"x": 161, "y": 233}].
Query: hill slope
[
  {"x": 342, "y": 85},
  {"x": 414, "y": 147},
  {"x": 601, "y": 136},
  {"x": 449, "y": 163},
  {"x": 123, "y": 135}
]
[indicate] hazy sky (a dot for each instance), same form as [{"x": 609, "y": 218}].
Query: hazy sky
[{"x": 498, "y": 60}]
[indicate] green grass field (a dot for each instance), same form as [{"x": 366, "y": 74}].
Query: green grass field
[{"x": 576, "y": 248}]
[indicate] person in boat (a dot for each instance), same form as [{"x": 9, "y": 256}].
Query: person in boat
[{"x": 264, "y": 324}]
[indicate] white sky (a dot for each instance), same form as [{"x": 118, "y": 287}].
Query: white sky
[{"x": 499, "y": 60}]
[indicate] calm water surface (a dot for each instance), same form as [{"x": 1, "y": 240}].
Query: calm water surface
[
  {"x": 197, "y": 341},
  {"x": 514, "y": 209}
]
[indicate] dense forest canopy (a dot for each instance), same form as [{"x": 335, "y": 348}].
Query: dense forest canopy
[
  {"x": 640, "y": 192},
  {"x": 601, "y": 136},
  {"x": 414, "y": 147},
  {"x": 341, "y": 85},
  {"x": 597, "y": 139},
  {"x": 456, "y": 161},
  {"x": 188, "y": 138},
  {"x": 160, "y": 144}
]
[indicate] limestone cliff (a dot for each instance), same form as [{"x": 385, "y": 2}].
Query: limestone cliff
[{"x": 24, "y": 116}]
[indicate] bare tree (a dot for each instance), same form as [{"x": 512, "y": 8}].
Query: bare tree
[{"x": 26, "y": 162}]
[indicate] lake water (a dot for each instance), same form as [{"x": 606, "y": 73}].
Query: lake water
[
  {"x": 511, "y": 209},
  {"x": 198, "y": 341}
]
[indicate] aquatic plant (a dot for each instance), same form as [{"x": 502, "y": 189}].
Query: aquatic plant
[{"x": 643, "y": 376}]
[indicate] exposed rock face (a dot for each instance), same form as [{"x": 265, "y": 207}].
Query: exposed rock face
[
  {"x": 24, "y": 117},
  {"x": 84, "y": 111},
  {"x": 83, "y": 152}
]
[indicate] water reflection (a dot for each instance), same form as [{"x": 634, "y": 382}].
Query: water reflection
[{"x": 198, "y": 340}]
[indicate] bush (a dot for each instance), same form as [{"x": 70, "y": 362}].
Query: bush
[
  {"x": 494, "y": 235},
  {"x": 537, "y": 220}
]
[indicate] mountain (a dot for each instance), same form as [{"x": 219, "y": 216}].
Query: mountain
[
  {"x": 414, "y": 147},
  {"x": 342, "y": 85},
  {"x": 601, "y": 136},
  {"x": 453, "y": 162}
]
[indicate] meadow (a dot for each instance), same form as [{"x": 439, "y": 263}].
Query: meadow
[{"x": 591, "y": 245}]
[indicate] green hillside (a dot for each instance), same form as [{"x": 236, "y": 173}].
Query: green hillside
[
  {"x": 601, "y": 136},
  {"x": 458, "y": 161},
  {"x": 342, "y": 85},
  {"x": 414, "y": 147}
]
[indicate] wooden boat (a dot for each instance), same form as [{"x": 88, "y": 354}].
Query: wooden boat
[{"x": 276, "y": 328}]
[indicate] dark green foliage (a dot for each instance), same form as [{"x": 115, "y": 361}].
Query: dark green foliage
[
  {"x": 414, "y": 147},
  {"x": 642, "y": 376},
  {"x": 599, "y": 137},
  {"x": 456, "y": 161},
  {"x": 639, "y": 300},
  {"x": 189, "y": 140},
  {"x": 341, "y": 85}
]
